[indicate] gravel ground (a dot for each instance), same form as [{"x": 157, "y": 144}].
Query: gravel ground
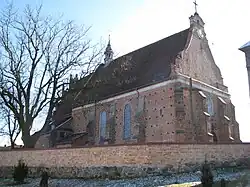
[{"x": 139, "y": 182}]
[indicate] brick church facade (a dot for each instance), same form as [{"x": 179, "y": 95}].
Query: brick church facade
[{"x": 168, "y": 91}]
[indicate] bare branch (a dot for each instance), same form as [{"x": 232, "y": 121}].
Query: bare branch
[
  {"x": 37, "y": 55},
  {"x": 8, "y": 126}
]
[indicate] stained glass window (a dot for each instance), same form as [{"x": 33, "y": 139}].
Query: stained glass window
[{"x": 127, "y": 122}]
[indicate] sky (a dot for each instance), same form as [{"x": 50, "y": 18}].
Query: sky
[{"x": 135, "y": 23}]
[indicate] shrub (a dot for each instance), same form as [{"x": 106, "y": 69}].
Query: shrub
[
  {"x": 44, "y": 179},
  {"x": 20, "y": 172},
  {"x": 207, "y": 176}
]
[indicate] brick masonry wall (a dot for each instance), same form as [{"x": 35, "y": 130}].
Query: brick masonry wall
[
  {"x": 43, "y": 141},
  {"x": 158, "y": 119},
  {"x": 158, "y": 155},
  {"x": 199, "y": 63},
  {"x": 162, "y": 121}
]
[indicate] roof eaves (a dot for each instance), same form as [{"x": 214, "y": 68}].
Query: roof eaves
[
  {"x": 245, "y": 46},
  {"x": 63, "y": 123}
]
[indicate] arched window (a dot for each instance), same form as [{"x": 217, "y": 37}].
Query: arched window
[
  {"x": 127, "y": 122},
  {"x": 103, "y": 121},
  {"x": 210, "y": 105}
]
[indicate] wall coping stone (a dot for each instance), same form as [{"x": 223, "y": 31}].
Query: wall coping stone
[{"x": 125, "y": 145}]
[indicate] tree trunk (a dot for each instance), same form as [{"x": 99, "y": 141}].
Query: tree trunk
[
  {"x": 26, "y": 138},
  {"x": 12, "y": 144}
]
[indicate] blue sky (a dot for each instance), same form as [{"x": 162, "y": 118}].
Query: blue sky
[
  {"x": 136, "y": 23},
  {"x": 101, "y": 15}
]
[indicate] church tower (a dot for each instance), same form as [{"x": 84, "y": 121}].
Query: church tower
[
  {"x": 108, "y": 54},
  {"x": 197, "y": 24},
  {"x": 246, "y": 49}
]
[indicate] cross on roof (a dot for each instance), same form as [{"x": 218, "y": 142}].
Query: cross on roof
[{"x": 195, "y": 6}]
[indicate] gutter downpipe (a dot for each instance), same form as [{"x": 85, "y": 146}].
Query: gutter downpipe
[{"x": 191, "y": 108}]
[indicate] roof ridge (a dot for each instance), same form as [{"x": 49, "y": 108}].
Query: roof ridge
[
  {"x": 165, "y": 38},
  {"x": 146, "y": 65}
]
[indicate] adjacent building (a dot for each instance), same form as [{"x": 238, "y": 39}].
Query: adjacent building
[{"x": 246, "y": 49}]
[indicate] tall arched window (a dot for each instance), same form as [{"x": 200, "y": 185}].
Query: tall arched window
[
  {"x": 210, "y": 105},
  {"x": 103, "y": 121},
  {"x": 127, "y": 122}
]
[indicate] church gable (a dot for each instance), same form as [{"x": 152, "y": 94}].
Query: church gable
[{"x": 198, "y": 61}]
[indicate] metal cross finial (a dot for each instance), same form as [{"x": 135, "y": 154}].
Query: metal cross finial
[
  {"x": 195, "y": 6},
  {"x": 109, "y": 36}
]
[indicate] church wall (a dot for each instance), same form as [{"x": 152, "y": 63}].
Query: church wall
[
  {"x": 165, "y": 115},
  {"x": 157, "y": 106},
  {"x": 42, "y": 142},
  {"x": 224, "y": 121},
  {"x": 206, "y": 116},
  {"x": 198, "y": 63},
  {"x": 190, "y": 129},
  {"x": 80, "y": 118},
  {"x": 183, "y": 129},
  {"x": 119, "y": 118},
  {"x": 200, "y": 118},
  {"x": 159, "y": 114},
  {"x": 63, "y": 109},
  {"x": 234, "y": 126}
]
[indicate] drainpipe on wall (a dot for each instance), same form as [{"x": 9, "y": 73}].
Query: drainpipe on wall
[
  {"x": 95, "y": 137},
  {"x": 139, "y": 110},
  {"x": 138, "y": 94},
  {"x": 191, "y": 108}
]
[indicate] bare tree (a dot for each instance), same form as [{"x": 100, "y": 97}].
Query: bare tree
[
  {"x": 9, "y": 127},
  {"x": 37, "y": 54}
]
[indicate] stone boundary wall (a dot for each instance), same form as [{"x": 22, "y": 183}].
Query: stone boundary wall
[{"x": 137, "y": 160}]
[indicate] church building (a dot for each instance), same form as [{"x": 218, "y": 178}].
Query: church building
[{"x": 168, "y": 91}]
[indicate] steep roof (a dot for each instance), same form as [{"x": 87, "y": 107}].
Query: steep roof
[{"x": 142, "y": 67}]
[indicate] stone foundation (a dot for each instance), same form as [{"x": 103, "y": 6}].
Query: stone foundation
[{"x": 122, "y": 172}]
